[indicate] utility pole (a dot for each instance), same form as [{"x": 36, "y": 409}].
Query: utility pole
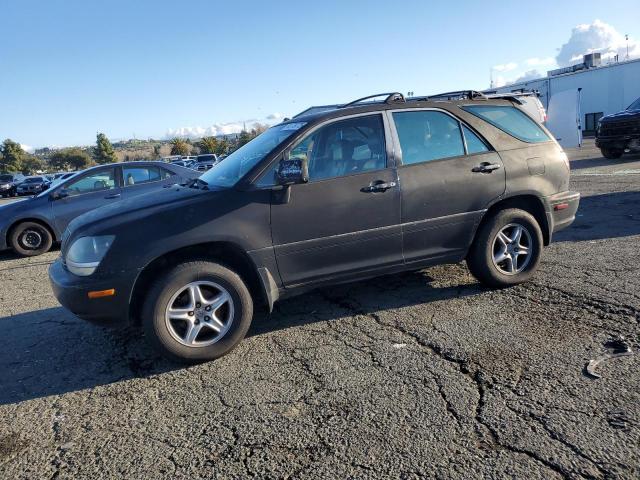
[{"x": 626, "y": 37}]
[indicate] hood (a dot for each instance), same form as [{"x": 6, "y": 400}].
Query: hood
[
  {"x": 622, "y": 116},
  {"x": 16, "y": 205},
  {"x": 139, "y": 206},
  {"x": 31, "y": 206}
]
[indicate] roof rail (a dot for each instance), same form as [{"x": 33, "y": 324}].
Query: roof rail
[
  {"x": 459, "y": 95},
  {"x": 391, "y": 97}
]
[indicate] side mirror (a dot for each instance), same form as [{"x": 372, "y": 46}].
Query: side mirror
[
  {"x": 292, "y": 171},
  {"x": 58, "y": 194}
]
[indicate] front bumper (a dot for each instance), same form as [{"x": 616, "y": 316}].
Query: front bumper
[
  {"x": 561, "y": 210},
  {"x": 72, "y": 292},
  {"x": 621, "y": 142}
]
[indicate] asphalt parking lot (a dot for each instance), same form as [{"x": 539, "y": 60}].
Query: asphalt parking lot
[{"x": 420, "y": 374}]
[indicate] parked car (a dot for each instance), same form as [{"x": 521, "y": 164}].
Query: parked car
[
  {"x": 363, "y": 189},
  {"x": 205, "y": 161},
  {"x": 33, "y": 185},
  {"x": 620, "y": 132},
  {"x": 9, "y": 182},
  {"x": 31, "y": 226}
]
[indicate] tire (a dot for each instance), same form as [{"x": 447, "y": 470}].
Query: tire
[
  {"x": 487, "y": 250},
  {"x": 170, "y": 336},
  {"x": 29, "y": 239},
  {"x": 611, "y": 153}
]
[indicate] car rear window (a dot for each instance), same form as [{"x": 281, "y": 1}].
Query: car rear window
[{"x": 510, "y": 120}]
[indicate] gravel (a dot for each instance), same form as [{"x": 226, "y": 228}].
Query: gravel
[{"x": 407, "y": 376}]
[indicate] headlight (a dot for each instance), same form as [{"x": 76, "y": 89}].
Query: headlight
[{"x": 86, "y": 253}]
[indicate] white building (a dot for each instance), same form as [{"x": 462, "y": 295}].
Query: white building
[{"x": 603, "y": 89}]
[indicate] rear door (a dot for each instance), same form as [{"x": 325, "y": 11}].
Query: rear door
[
  {"x": 143, "y": 178},
  {"x": 346, "y": 219},
  {"x": 448, "y": 176},
  {"x": 88, "y": 191}
]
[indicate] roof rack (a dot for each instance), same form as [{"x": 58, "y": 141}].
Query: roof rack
[
  {"x": 391, "y": 97},
  {"x": 459, "y": 95}
]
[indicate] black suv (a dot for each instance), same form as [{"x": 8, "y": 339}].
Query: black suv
[
  {"x": 336, "y": 195},
  {"x": 9, "y": 182},
  {"x": 620, "y": 132}
]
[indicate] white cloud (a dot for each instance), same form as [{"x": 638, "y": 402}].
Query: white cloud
[
  {"x": 506, "y": 67},
  {"x": 529, "y": 75},
  {"x": 499, "y": 81},
  {"x": 221, "y": 128},
  {"x": 596, "y": 37},
  {"x": 535, "y": 61},
  {"x": 27, "y": 148}
]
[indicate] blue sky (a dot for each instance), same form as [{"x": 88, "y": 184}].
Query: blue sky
[{"x": 72, "y": 68}]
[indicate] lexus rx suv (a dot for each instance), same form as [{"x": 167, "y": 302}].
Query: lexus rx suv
[{"x": 335, "y": 194}]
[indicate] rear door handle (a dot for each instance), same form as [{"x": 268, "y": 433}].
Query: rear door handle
[
  {"x": 113, "y": 195},
  {"x": 486, "y": 167},
  {"x": 378, "y": 186}
]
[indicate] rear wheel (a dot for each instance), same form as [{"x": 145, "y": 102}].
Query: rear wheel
[
  {"x": 197, "y": 311},
  {"x": 507, "y": 249},
  {"x": 612, "y": 153},
  {"x": 30, "y": 239}
]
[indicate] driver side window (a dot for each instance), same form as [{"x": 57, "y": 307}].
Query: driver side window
[
  {"x": 93, "y": 182},
  {"x": 341, "y": 148}
]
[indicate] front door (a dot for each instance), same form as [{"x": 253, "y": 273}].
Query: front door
[
  {"x": 346, "y": 220},
  {"x": 92, "y": 190},
  {"x": 449, "y": 176}
]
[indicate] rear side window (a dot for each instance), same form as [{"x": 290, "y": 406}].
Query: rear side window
[
  {"x": 474, "y": 144},
  {"x": 138, "y": 175},
  {"x": 510, "y": 120},
  {"x": 428, "y": 135}
]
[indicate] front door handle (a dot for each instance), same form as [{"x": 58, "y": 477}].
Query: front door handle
[
  {"x": 378, "y": 186},
  {"x": 113, "y": 195},
  {"x": 486, "y": 167}
]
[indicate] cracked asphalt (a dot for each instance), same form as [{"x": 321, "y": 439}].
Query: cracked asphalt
[{"x": 424, "y": 374}]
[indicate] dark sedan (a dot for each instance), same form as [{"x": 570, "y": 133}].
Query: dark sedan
[
  {"x": 31, "y": 226},
  {"x": 33, "y": 185}
]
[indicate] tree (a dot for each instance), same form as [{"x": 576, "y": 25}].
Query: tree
[
  {"x": 103, "y": 152},
  {"x": 70, "y": 159},
  {"x": 223, "y": 146},
  {"x": 208, "y": 145},
  {"x": 179, "y": 146},
  {"x": 12, "y": 156},
  {"x": 244, "y": 137},
  {"x": 31, "y": 165}
]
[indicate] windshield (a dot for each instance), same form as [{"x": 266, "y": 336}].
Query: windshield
[
  {"x": 235, "y": 166},
  {"x": 635, "y": 105},
  {"x": 6, "y": 178},
  {"x": 34, "y": 180}
]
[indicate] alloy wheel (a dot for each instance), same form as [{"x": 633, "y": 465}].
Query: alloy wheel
[
  {"x": 512, "y": 249},
  {"x": 199, "y": 314}
]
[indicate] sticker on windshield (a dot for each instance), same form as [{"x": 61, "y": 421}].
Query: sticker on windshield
[{"x": 293, "y": 126}]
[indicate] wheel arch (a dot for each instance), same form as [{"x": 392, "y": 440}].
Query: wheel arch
[
  {"x": 225, "y": 253},
  {"x": 528, "y": 202}
]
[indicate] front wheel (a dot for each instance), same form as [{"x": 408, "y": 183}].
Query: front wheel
[
  {"x": 197, "y": 311},
  {"x": 507, "y": 249},
  {"x": 29, "y": 239},
  {"x": 612, "y": 153}
]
